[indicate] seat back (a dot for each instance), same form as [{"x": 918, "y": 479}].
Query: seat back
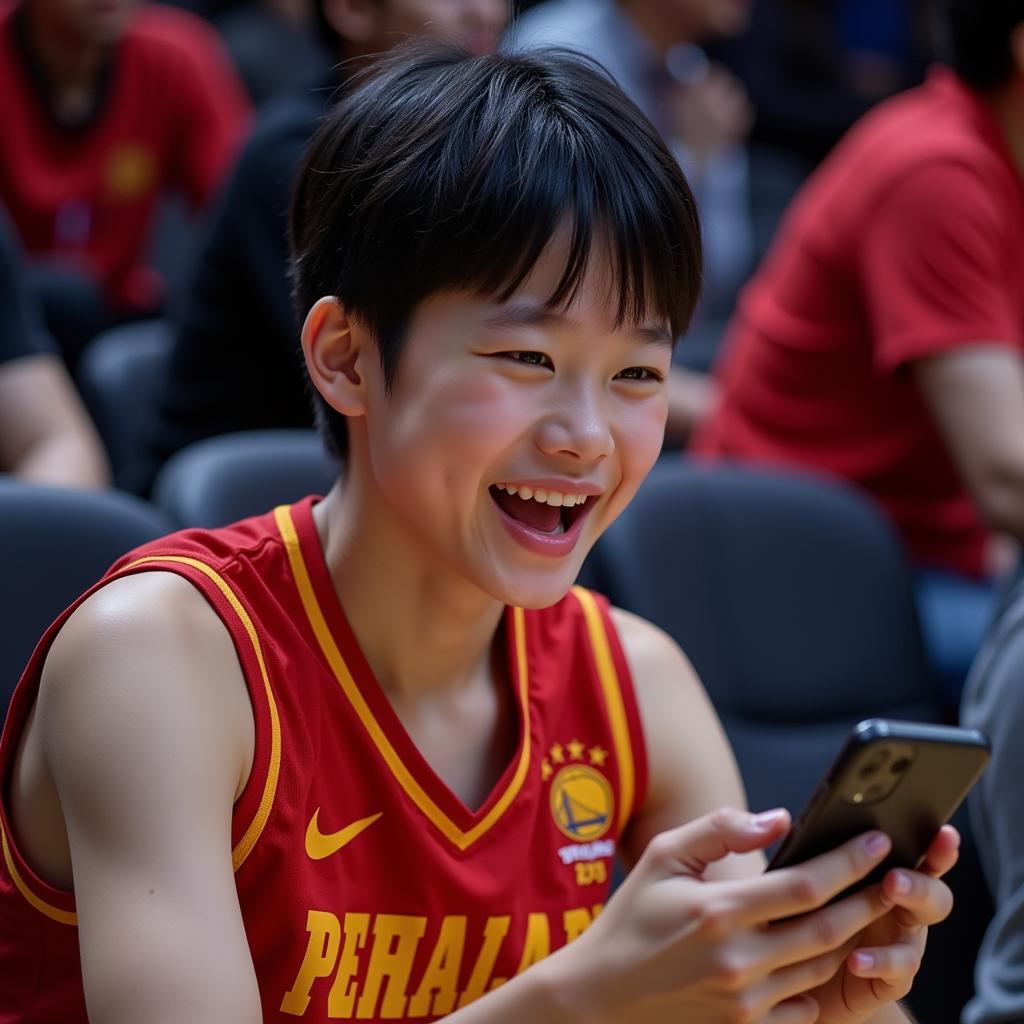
[
  {"x": 793, "y": 599},
  {"x": 120, "y": 375},
  {"x": 54, "y": 544},
  {"x": 222, "y": 479}
]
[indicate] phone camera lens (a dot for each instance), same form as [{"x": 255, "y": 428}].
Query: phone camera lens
[
  {"x": 871, "y": 768},
  {"x": 900, "y": 765}
]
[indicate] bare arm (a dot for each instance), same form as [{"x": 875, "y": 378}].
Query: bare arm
[
  {"x": 691, "y": 399},
  {"x": 46, "y": 436},
  {"x": 145, "y": 726},
  {"x": 976, "y": 397}
]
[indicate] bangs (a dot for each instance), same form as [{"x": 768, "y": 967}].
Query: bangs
[{"x": 442, "y": 172}]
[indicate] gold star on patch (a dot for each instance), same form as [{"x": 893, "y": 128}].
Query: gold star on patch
[
  {"x": 557, "y": 753},
  {"x": 576, "y": 750},
  {"x": 598, "y": 756},
  {"x": 546, "y": 771}
]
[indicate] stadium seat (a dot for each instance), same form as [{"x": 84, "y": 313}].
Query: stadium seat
[
  {"x": 54, "y": 544},
  {"x": 793, "y": 598},
  {"x": 223, "y": 479},
  {"x": 120, "y": 374}
]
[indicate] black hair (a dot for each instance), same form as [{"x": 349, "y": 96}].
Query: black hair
[
  {"x": 443, "y": 172},
  {"x": 978, "y": 39}
]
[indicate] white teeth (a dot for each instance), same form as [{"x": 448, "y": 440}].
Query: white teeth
[{"x": 553, "y": 498}]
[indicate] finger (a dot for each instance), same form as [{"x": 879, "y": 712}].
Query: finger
[
  {"x": 824, "y": 930},
  {"x": 942, "y": 853},
  {"x": 918, "y": 899},
  {"x": 797, "y": 890},
  {"x": 895, "y": 965},
  {"x": 801, "y": 1010},
  {"x": 690, "y": 848},
  {"x": 796, "y": 979}
]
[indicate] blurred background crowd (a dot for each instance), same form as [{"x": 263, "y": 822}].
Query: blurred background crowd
[{"x": 862, "y": 318}]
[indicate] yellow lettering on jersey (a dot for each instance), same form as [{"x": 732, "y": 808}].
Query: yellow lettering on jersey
[
  {"x": 441, "y": 977},
  {"x": 321, "y": 953},
  {"x": 395, "y": 938},
  {"x": 494, "y": 934},
  {"x": 537, "y": 944},
  {"x": 341, "y": 1001},
  {"x": 577, "y": 921}
]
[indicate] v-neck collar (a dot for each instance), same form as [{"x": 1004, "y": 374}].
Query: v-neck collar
[{"x": 423, "y": 786}]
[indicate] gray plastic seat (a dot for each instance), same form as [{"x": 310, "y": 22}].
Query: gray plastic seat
[
  {"x": 54, "y": 544},
  {"x": 227, "y": 478},
  {"x": 120, "y": 375}
]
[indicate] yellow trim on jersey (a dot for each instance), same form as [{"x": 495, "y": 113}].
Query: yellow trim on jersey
[
  {"x": 47, "y": 909},
  {"x": 244, "y": 846},
  {"x": 611, "y": 686},
  {"x": 462, "y": 840}
]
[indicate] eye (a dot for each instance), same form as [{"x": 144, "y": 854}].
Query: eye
[
  {"x": 646, "y": 373},
  {"x": 529, "y": 359}
]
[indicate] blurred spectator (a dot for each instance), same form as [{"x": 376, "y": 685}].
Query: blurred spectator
[
  {"x": 45, "y": 434},
  {"x": 814, "y": 67},
  {"x": 273, "y": 45},
  {"x": 652, "y": 49},
  {"x": 236, "y": 362},
  {"x": 882, "y": 338},
  {"x": 994, "y": 703},
  {"x": 107, "y": 105}
]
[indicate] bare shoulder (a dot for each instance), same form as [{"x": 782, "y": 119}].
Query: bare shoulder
[
  {"x": 144, "y": 652},
  {"x": 142, "y": 674},
  {"x": 690, "y": 764}
]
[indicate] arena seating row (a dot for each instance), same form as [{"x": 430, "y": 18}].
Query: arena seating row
[{"x": 790, "y": 594}]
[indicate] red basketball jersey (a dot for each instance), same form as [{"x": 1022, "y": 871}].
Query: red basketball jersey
[{"x": 369, "y": 891}]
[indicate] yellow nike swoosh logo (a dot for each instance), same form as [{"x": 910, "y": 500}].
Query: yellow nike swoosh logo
[{"x": 319, "y": 846}]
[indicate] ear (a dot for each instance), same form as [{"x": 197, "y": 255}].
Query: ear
[
  {"x": 356, "y": 21},
  {"x": 335, "y": 348}
]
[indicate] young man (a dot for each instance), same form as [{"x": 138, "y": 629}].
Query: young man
[
  {"x": 367, "y": 757},
  {"x": 108, "y": 105},
  {"x": 236, "y": 364},
  {"x": 882, "y": 339}
]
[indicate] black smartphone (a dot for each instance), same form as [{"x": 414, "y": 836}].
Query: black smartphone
[{"x": 903, "y": 778}]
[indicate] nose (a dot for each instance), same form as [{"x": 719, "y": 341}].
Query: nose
[{"x": 578, "y": 429}]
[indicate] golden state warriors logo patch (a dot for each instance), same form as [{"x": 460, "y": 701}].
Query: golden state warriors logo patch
[{"x": 581, "y": 802}]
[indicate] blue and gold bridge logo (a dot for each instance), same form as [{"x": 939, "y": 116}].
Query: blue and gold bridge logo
[{"x": 581, "y": 802}]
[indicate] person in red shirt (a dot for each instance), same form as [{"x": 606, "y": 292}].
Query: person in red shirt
[
  {"x": 882, "y": 341},
  {"x": 108, "y": 105},
  {"x": 370, "y": 756}
]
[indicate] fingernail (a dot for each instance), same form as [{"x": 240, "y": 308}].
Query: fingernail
[
  {"x": 902, "y": 883},
  {"x": 876, "y": 844},
  {"x": 768, "y": 819},
  {"x": 863, "y": 961}
]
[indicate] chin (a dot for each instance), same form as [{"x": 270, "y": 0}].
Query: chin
[{"x": 535, "y": 590}]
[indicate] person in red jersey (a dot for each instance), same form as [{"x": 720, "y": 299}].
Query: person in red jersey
[
  {"x": 108, "y": 105},
  {"x": 882, "y": 339},
  {"x": 370, "y": 756}
]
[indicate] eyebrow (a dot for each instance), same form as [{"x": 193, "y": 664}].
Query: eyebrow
[{"x": 533, "y": 314}]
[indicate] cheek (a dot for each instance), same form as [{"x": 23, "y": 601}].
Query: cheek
[
  {"x": 641, "y": 434},
  {"x": 448, "y": 433}
]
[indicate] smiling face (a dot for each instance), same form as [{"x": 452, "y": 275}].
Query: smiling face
[{"x": 513, "y": 435}]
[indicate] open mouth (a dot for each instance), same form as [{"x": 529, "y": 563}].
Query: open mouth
[{"x": 545, "y": 512}]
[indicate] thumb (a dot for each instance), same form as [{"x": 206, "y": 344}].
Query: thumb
[{"x": 689, "y": 849}]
